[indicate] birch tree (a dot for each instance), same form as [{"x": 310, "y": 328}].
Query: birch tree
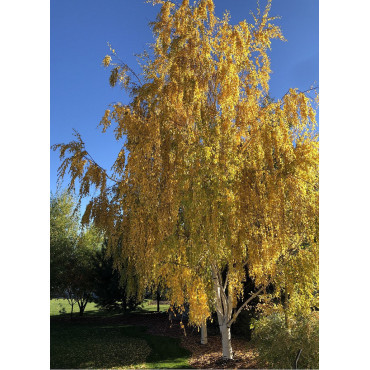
[{"x": 213, "y": 176}]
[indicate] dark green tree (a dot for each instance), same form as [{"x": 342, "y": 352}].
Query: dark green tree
[{"x": 112, "y": 286}]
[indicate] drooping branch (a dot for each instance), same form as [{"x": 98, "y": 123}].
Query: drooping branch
[
  {"x": 247, "y": 143},
  {"x": 90, "y": 158},
  {"x": 299, "y": 92},
  {"x": 124, "y": 65},
  {"x": 289, "y": 174}
]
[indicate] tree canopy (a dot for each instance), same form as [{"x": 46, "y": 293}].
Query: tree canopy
[{"x": 213, "y": 175}]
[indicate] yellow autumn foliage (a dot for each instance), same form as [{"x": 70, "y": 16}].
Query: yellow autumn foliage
[{"x": 213, "y": 176}]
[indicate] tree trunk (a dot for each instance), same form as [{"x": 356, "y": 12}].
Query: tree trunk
[
  {"x": 82, "y": 309},
  {"x": 285, "y": 307},
  {"x": 124, "y": 303},
  {"x": 71, "y": 310},
  {"x": 203, "y": 334},
  {"x": 224, "y": 308},
  {"x": 286, "y": 318},
  {"x": 224, "y": 311},
  {"x": 227, "y": 352},
  {"x": 158, "y": 299}
]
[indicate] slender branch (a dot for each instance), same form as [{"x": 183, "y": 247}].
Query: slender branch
[
  {"x": 123, "y": 64},
  {"x": 226, "y": 279},
  {"x": 229, "y": 305},
  {"x": 91, "y": 159},
  {"x": 301, "y": 92},
  {"x": 254, "y": 295},
  {"x": 297, "y": 358},
  {"x": 219, "y": 304},
  {"x": 224, "y": 298}
]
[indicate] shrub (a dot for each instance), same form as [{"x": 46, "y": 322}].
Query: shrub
[{"x": 278, "y": 346}]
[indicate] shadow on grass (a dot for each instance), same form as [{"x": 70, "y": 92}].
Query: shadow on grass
[
  {"x": 82, "y": 345},
  {"x": 61, "y": 308}
]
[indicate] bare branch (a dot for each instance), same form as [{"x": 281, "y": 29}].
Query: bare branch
[
  {"x": 254, "y": 295},
  {"x": 226, "y": 280}
]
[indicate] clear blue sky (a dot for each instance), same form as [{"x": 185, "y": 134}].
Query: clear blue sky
[{"x": 80, "y": 30}]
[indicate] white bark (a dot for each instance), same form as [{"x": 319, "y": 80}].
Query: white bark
[
  {"x": 224, "y": 310},
  {"x": 203, "y": 334},
  {"x": 227, "y": 352}
]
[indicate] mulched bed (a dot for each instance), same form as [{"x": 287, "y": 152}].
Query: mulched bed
[{"x": 204, "y": 356}]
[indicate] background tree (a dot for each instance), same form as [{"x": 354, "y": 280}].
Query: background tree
[
  {"x": 64, "y": 225},
  {"x": 71, "y": 252},
  {"x": 80, "y": 279},
  {"x": 112, "y": 286},
  {"x": 215, "y": 178}
]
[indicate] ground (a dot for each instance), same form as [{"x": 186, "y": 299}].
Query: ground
[{"x": 143, "y": 339}]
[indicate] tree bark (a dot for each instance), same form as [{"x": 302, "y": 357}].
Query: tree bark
[
  {"x": 285, "y": 307},
  {"x": 227, "y": 352},
  {"x": 203, "y": 334},
  {"x": 82, "y": 309},
  {"x": 124, "y": 303},
  {"x": 158, "y": 299},
  {"x": 224, "y": 311}
]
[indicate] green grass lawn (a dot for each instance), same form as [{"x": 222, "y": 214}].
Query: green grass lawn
[
  {"x": 61, "y": 306},
  {"x": 85, "y": 345},
  {"x": 151, "y": 306}
]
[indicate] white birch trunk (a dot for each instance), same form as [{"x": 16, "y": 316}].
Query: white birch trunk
[
  {"x": 227, "y": 352},
  {"x": 223, "y": 310},
  {"x": 203, "y": 334}
]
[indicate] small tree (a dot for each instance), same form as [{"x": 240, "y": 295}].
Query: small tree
[
  {"x": 64, "y": 226},
  {"x": 71, "y": 253},
  {"x": 82, "y": 278}
]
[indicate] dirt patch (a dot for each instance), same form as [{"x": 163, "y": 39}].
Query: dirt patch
[{"x": 205, "y": 356}]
